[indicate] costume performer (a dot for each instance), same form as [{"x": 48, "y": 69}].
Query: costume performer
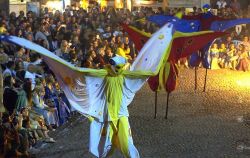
[{"x": 104, "y": 94}]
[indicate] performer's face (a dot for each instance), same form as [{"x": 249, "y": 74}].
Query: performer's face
[{"x": 117, "y": 68}]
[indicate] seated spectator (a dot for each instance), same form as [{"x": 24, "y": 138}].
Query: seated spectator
[
  {"x": 24, "y": 99},
  {"x": 52, "y": 100},
  {"x": 49, "y": 114},
  {"x": 20, "y": 54},
  {"x": 246, "y": 43},
  {"x": 108, "y": 54},
  {"x": 243, "y": 64},
  {"x": 35, "y": 126},
  {"x": 73, "y": 58},
  {"x": 3, "y": 28},
  {"x": 121, "y": 51},
  {"x": 231, "y": 57},
  {"x": 130, "y": 45},
  {"x": 64, "y": 49},
  {"x": 93, "y": 55},
  {"x": 42, "y": 33},
  {"x": 100, "y": 58},
  {"x": 12, "y": 140},
  {"x": 228, "y": 41},
  {"x": 214, "y": 54},
  {"x": 107, "y": 33},
  {"x": 88, "y": 62}
]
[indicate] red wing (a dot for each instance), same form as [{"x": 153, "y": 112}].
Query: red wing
[{"x": 185, "y": 46}]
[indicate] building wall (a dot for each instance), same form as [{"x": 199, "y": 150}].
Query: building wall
[
  {"x": 171, "y": 3},
  {"x": 4, "y": 6},
  {"x": 187, "y": 3}
]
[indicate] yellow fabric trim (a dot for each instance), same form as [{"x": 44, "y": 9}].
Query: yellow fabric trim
[
  {"x": 119, "y": 135},
  {"x": 163, "y": 75},
  {"x": 114, "y": 86},
  {"x": 178, "y": 34},
  {"x": 179, "y": 15},
  {"x": 142, "y": 19},
  {"x": 123, "y": 136},
  {"x": 91, "y": 119}
]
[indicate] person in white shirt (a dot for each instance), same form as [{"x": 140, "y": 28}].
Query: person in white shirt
[
  {"x": 221, "y": 4},
  {"x": 64, "y": 48}
]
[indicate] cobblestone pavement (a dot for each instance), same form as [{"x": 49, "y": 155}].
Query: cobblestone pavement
[{"x": 211, "y": 124}]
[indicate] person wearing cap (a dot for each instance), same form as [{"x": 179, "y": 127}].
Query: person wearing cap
[{"x": 206, "y": 11}]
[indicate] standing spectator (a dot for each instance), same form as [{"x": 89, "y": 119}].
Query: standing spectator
[{"x": 221, "y": 4}]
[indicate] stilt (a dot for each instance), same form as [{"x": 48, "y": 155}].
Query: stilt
[
  {"x": 205, "y": 82},
  {"x": 195, "y": 81},
  {"x": 155, "y": 105},
  {"x": 166, "y": 116}
]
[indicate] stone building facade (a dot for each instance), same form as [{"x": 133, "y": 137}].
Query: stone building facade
[
  {"x": 4, "y": 6},
  {"x": 187, "y": 3}
]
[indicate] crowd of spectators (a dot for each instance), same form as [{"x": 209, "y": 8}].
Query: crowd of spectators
[
  {"x": 32, "y": 99},
  {"x": 230, "y": 54},
  {"x": 233, "y": 51}
]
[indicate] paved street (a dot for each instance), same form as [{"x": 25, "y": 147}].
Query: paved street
[{"x": 200, "y": 125}]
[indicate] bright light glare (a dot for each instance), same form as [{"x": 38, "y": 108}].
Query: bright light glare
[
  {"x": 244, "y": 81},
  {"x": 138, "y": 2},
  {"x": 55, "y": 5}
]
